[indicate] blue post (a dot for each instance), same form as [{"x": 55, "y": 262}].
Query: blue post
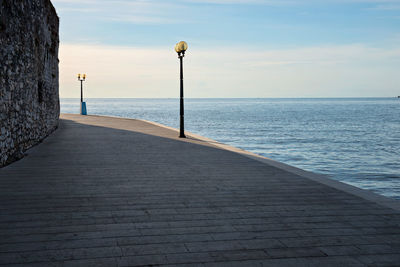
[{"x": 83, "y": 108}]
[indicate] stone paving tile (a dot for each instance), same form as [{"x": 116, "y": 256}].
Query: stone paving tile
[
  {"x": 239, "y": 255},
  {"x": 292, "y": 262},
  {"x": 262, "y": 243},
  {"x": 166, "y": 248},
  {"x": 253, "y": 235},
  {"x": 142, "y": 260},
  {"x": 214, "y": 246},
  {"x": 379, "y": 259},
  {"x": 295, "y": 252},
  {"x": 59, "y": 255},
  {"x": 333, "y": 261},
  {"x": 189, "y": 258},
  {"x": 159, "y": 239},
  {"x": 188, "y": 230},
  {"x": 244, "y": 263},
  {"x": 116, "y": 192},
  {"x": 39, "y": 264},
  {"x": 378, "y": 248},
  {"x": 65, "y": 244},
  {"x": 340, "y": 250},
  {"x": 99, "y": 262},
  {"x": 318, "y": 241},
  {"x": 383, "y": 239}
]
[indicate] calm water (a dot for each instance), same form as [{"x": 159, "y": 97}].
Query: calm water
[{"x": 356, "y": 141}]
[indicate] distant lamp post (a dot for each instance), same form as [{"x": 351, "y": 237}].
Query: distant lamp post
[
  {"x": 83, "y": 104},
  {"x": 181, "y": 48}
]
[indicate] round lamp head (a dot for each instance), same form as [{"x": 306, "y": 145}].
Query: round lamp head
[
  {"x": 181, "y": 47},
  {"x": 84, "y": 76},
  {"x": 79, "y": 76}
]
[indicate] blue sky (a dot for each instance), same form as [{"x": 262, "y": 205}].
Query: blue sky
[{"x": 237, "y": 48}]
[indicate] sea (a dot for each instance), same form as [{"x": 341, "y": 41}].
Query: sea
[{"x": 353, "y": 140}]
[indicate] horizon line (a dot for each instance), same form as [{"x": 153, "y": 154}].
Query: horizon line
[{"x": 341, "y": 97}]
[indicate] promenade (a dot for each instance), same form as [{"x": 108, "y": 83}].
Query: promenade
[{"x": 104, "y": 191}]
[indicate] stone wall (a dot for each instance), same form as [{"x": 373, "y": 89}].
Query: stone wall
[{"x": 29, "y": 101}]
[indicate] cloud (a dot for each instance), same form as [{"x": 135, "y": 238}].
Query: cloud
[
  {"x": 74, "y": 1},
  {"x": 242, "y": 2},
  {"x": 351, "y": 70},
  {"x": 134, "y": 11},
  {"x": 387, "y": 7},
  {"x": 115, "y": 71},
  {"x": 291, "y": 2},
  {"x": 174, "y": 12}
]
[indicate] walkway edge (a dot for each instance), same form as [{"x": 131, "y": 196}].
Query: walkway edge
[{"x": 320, "y": 178}]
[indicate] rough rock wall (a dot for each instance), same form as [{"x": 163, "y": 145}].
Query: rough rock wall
[{"x": 29, "y": 100}]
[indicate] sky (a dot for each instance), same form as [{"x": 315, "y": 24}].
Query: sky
[{"x": 237, "y": 48}]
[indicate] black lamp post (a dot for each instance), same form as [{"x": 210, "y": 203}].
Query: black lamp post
[
  {"x": 83, "y": 106},
  {"x": 180, "y": 48}
]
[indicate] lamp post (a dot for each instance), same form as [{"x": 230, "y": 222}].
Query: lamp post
[
  {"x": 181, "y": 48},
  {"x": 83, "y": 104}
]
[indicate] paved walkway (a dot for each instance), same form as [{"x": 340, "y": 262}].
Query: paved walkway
[{"x": 117, "y": 192}]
